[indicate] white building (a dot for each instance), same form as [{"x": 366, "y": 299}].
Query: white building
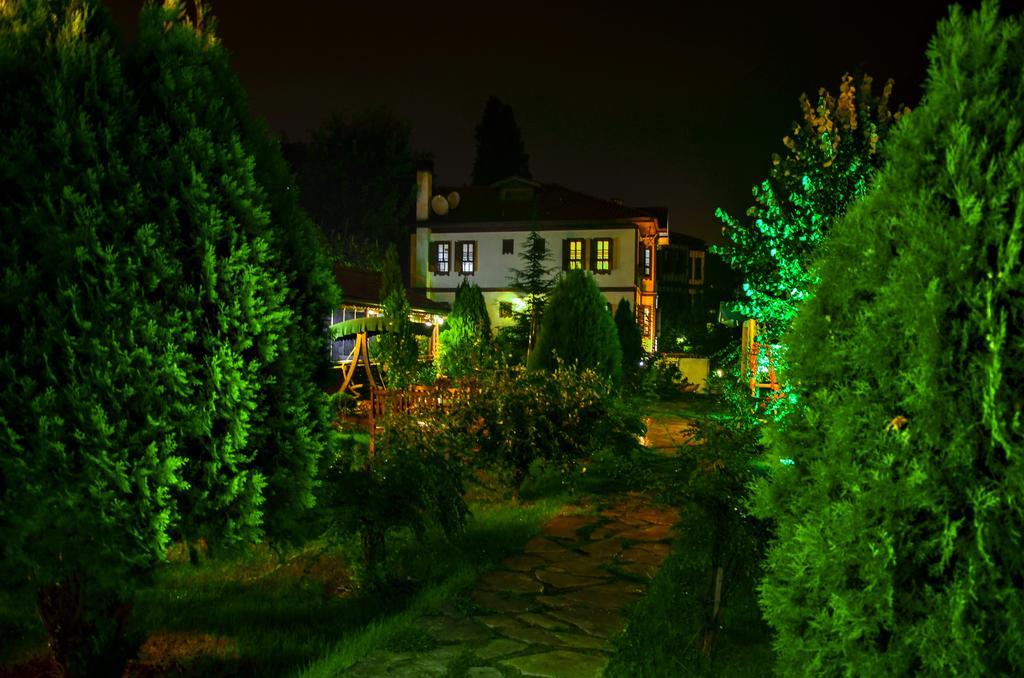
[{"x": 479, "y": 232}]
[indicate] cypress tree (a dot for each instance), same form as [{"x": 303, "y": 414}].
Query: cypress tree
[
  {"x": 630, "y": 338},
  {"x": 578, "y": 329},
  {"x": 96, "y": 375},
  {"x": 499, "y": 145},
  {"x": 397, "y": 347},
  {"x": 465, "y": 342},
  {"x": 533, "y": 281},
  {"x": 898, "y": 513}
]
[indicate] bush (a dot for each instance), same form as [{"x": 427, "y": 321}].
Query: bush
[
  {"x": 630, "y": 340},
  {"x": 411, "y": 480},
  {"x": 557, "y": 419},
  {"x": 577, "y": 330},
  {"x": 897, "y": 505}
]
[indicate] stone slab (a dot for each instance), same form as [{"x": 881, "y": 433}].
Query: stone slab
[
  {"x": 499, "y": 647},
  {"x": 563, "y": 580},
  {"x": 543, "y": 621},
  {"x": 510, "y": 582},
  {"x": 522, "y": 563},
  {"x": 600, "y": 623},
  {"x": 559, "y": 664},
  {"x": 492, "y": 601}
]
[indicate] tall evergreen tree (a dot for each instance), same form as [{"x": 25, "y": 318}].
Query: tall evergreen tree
[
  {"x": 96, "y": 376},
  {"x": 630, "y": 338},
  {"x": 499, "y": 145},
  {"x": 899, "y": 520},
  {"x": 532, "y": 282},
  {"x": 397, "y": 346},
  {"x": 464, "y": 345},
  {"x": 578, "y": 329}
]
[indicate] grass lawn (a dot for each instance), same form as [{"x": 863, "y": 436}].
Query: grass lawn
[{"x": 267, "y": 615}]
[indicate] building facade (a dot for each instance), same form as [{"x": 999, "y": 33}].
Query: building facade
[{"x": 479, "y": 232}]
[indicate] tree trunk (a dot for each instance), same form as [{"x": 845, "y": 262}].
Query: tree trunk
[{"x": 85, "y": 644}]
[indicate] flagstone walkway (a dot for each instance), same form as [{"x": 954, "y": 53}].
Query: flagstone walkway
[{"x": 552, "y": 609}]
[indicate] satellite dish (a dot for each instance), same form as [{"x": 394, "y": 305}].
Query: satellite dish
[
  {"x": 439, "y": 205},
  {"x": 453, "y": 199}
]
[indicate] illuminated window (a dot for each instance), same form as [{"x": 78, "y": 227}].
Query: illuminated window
[
  {"x": 646, "y": 323},
  {"x": 603, "y": 255},
  {"x": 504, "y": 309},
  {"x": 467, "y": 257},
  {"x": 648, "y": 254},
  {"x": 507, "y": 246},
  {"x": 441, "y": 258},
  {"x": 572, "y": 254}
]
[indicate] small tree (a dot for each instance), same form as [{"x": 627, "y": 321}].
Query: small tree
[
  {"x": 464, "y": 345},
  {"x": 499, "y": 145},
  {"x": 533, "y": 282},
  {"x": 630, "y": 339},
  {"x": 829, "y": 162},
  {"x": 578, "y": 330},
  {"x": 397, "y": 346},
  {"x": 897, "y": 506}
]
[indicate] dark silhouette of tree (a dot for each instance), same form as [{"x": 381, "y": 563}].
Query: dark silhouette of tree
[
  {"x": 357, "y": 180},
  {"x": 499, "y": 145}
]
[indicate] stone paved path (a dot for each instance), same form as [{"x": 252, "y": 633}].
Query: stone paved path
[{"x": 552, "y": 609}]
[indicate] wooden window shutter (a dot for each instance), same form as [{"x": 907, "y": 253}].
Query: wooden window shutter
[
  {"x": 475, "y": 258},
  {"x": 593, "y": 254},
  {"x": 611, "y": 254},
  {"x": 457, "y": 256},
  {"x": 565, "y": 254},
  {"x": 432, "y": 257}
]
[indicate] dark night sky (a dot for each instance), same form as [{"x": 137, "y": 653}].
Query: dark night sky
[{"x": 677, "y": 104}]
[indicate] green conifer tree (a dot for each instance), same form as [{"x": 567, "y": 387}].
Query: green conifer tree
[
  {"x": 578, "y": 329},
  {"x": 96, "y": 375},
  {"x": 464, "y": 345},
  {"x": 532, "y": 282},
  {"x": 397, "y": 346},
  {"x": 897, "y": 508},
  {"x": 630, "y": 339}
]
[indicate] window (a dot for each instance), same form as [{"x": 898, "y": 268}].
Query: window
[
  {"x": 504, "y": 309},
  {"x": 572, "y": 254},
  {"x": 648, "y": 253},
  {"x": 440, "y": 258},
  {"x": 601, "y": 255},
  {"x": 466, "y": 251},
  {"x": 696, "y": 267},
  {"x": 508, "y": 246}
]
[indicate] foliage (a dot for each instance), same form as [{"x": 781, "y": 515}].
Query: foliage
[
  {"x": 357, "y": 181},
  {"x": 532, "y": 282},
  {"x": 577, "y": 330},
  {"x": 829, "y": 162},
  {"x": 665, "y": 629},
  {"x": 156, "y": 301},
  {"x": 558, "y": 419},
  {"x": 397, "y": 348},
  {"x": 499, "y": 145},
  {"x": 464, "y": 343},
  {"x": 409, "y": 479},
  {"x": 897, "y": 494},
  {"x": 630, "y": 339}
]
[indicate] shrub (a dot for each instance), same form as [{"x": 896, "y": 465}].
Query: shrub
[
  {"x": 577, "y": 331},
  {"x": 411, "y": 480},
  {"x": 897, "y": 547},
  {"x": 557, "y": 418}
]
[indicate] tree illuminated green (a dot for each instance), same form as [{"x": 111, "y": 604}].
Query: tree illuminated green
[
  {"x": 532, "y": 283},
  {"x": 630, "y": 339},
  {"x": 829, "y": 161},
  {"x": 897, "y": 523},
  {"x": 396, "y": 347}
]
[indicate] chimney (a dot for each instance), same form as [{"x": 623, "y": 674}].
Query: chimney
[{"x": 424, "y": 185}]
